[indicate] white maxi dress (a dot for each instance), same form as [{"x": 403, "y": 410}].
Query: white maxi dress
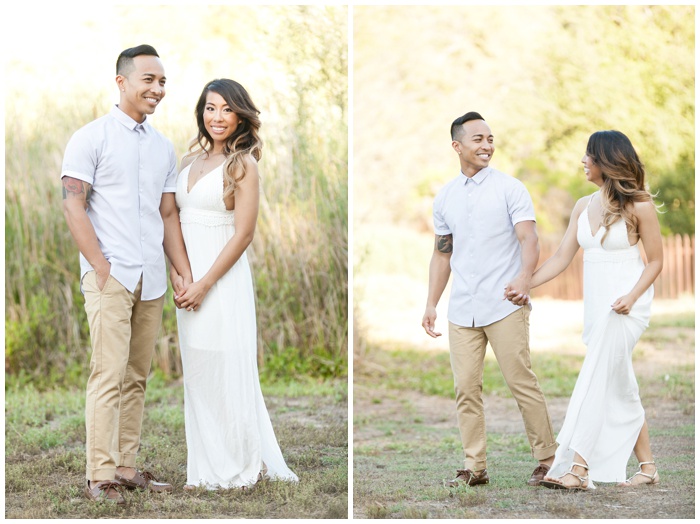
[
  {"x": 230, "y": 439},
  {"x": 605, "y": 414}
]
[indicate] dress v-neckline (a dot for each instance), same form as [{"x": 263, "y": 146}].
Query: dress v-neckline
[
  {"x": 594, "y": 235},
  {"x": 190, "y": 189},
  {"x": 588, "y": 218}
]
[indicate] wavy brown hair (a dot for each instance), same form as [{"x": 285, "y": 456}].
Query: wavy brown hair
[
  {"x": 623, "y": 177},
  {"x": 244, "y": 140}
]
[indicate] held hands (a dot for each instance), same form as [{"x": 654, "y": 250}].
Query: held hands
[
  {"x": 183, "y": 294},
  {"x": 429, "y": 322},
  {"x": 516, "y": 297},
  {"x": 192, "y": 296},
  {"x": 518, "y": 292},
  {"x": 179, "y": 286}
]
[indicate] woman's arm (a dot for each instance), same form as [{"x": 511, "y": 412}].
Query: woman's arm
[
  {"x": 246, "y": 215},
  {"x": 561, "y": 259},
  {"x": 566, "y": 251},
  {"x": 650, "y": 235}
]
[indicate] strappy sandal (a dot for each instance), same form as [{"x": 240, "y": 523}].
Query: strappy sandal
[
  {"x": 556, "y": 484},
  {"x": 653, "y": 478}
]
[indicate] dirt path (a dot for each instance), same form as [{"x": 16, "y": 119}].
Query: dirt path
[{"x": 502, "y": 414}]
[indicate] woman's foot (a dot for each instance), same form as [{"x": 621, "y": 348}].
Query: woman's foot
[
  {"x": 647, "y": 474},
  {"x": 574, "y": 479}
]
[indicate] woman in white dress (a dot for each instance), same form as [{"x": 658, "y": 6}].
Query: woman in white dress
[
  {"x": 230, "y": 440},
  {"x": 605, "y": 420}
]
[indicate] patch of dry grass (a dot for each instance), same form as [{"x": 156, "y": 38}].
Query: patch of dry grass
[
  {"x": 406, "y": 441},
  {"x": 45, "y": 459}
]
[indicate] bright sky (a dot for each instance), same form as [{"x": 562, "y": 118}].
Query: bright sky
[{"x": 68, "y": 52}]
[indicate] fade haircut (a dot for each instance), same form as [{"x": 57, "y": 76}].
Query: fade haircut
[
  {"x": 125, "y": 62},
  {"x": 456, "y": 130}
]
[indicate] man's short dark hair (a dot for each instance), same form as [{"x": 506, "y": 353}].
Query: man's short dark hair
[
  {"x": 456, "y": 130},
  {"x": 126, "y": 57}
]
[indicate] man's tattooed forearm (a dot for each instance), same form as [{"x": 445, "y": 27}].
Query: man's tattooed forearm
[{"x": 443, "y": 243}]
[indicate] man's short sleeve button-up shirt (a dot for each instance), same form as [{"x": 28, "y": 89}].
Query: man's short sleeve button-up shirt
[
  {"x": 129, "y": 165},
  {"x": 481, "y": 213}
]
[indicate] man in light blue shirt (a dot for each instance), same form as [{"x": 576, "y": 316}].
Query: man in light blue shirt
[
  {"x": 485, "y": 237},
  {"x": 118, "y": 179}
]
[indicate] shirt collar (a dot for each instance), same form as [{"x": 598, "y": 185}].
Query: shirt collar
[
  {"x": 126, "y": 120},
  {"x": 479, "y": 177}
]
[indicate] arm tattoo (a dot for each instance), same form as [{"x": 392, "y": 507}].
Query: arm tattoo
[
  {"x": 443, "y": 243},
  {"x": 73, "y": 186}
]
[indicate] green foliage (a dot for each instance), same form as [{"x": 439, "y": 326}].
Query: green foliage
[
  {"x": 304, "y": 222},
  {"x": 676, "y": 191},
  {"x": 291, "y": 362},
  {"x": 45, "y": 326},
  {"x": 680, "y": 320},
  {"x": 543, "y": 86}
]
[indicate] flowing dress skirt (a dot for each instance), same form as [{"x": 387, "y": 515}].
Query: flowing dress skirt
[
  {"x": 605, "y": 413},
  {"x": 230, "y": 439}
]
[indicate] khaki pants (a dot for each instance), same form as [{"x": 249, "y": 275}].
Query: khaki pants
[
  {"x": 509, "y": 340},
  {"x": 123, "y": 330}
]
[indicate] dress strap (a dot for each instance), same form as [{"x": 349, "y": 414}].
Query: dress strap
[{"x": 589, "y": 200}]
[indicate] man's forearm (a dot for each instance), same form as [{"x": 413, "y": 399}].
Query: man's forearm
[
  {"x": 439, "y": 275},
  {"x": 529, "y": 256},
  {"x": 83, "y": 233},
  {"x": 174, "y": 246}
]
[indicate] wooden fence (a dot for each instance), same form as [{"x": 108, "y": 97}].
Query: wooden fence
[{"x": 677, "y": 277}]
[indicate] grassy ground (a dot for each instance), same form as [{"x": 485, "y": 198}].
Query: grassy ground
[
  {"x": 406, "y": 441},
  {"x": 45, "y": 459}
]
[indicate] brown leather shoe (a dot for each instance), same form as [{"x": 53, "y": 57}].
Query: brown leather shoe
[
  {"x": 468, "y": 477},
  {"x": 144, "y": 480},
  {"x": 538, "y": 475},
  {"x": 104, "y": 491}
]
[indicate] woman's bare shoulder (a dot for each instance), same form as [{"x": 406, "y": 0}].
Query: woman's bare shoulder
[
  {"x": 580, "y": 205},
  {"x": 249, "y": 161},
  {"x": 187, "y": 160},
  {"x": 644, "y": 209}
]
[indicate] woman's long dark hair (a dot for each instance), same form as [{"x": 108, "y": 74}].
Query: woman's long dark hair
[
  {"x": 623, "y": 177},
  {"x": 244, "y": 140}
]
